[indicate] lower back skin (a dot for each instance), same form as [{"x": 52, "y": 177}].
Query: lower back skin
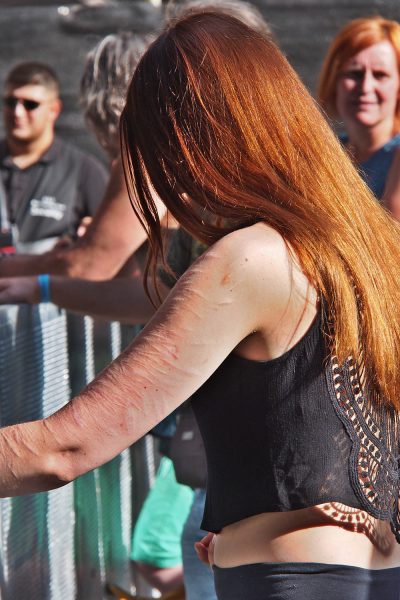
[{"x": 316, "y": 534}]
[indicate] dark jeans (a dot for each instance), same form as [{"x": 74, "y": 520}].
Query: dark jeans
[{"x": 306, "y": 581}]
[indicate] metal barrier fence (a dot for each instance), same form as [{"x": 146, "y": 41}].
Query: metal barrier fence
[{"x": 65, "y": 544}]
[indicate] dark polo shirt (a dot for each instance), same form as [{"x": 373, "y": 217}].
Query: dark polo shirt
[{"x": 50, "y": 198}]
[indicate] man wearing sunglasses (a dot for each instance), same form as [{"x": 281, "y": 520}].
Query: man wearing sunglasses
[{"x": 48, "y": 186}]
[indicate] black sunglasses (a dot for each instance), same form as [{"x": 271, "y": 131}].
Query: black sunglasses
[{"x": 12, "y": 101}]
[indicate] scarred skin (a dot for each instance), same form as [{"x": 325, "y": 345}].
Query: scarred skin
[
  {"x": 245, "y": 294},
  {"x": 172, "y": 357}
]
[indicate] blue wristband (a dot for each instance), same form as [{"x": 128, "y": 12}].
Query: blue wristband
[{"x": 44, "y": 287}]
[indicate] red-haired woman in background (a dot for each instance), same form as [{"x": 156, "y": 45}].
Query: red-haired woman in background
[
  {"x": 285, "y": 332},
  {"x": 360, "y": 85}
]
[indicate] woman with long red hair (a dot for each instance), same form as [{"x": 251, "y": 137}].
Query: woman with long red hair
[
  {"x": 360, "y": 85},
  {"x": 285, "y": 332}
]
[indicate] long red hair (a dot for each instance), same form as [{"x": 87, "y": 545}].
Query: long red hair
[
  {"x": 356, "y": 36},
  {"x": 218, "y": 124}
]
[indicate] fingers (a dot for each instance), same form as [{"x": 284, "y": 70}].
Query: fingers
[
  {"x": 84, "y": 224},
  {"x": 202, "y": 552},
  {"x": 205, "y": 549}
]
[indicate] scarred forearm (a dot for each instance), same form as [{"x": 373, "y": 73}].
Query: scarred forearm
[
  {"x": 30, "y": 455},
  {"x": 242, "y": 285}
]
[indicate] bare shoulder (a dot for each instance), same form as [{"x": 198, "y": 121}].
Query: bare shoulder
[
  {"x": 252, "y": 245},
  {"x": 251, "y": 267},
  {"x": 255, "y": 242},
  {"x": 254, "y": 255},
  {"x": 259, "y": 232}
]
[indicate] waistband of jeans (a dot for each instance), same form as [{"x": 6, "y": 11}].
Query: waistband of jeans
[{"x": 301, "y": 568}]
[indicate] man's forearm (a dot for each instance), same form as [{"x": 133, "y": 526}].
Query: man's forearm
[
  {"x": 121, "y": 300},
  {"x": 113, "y": 236},
  {"x": 78, "y": 261},
  {"x": 29, "y": 264}
]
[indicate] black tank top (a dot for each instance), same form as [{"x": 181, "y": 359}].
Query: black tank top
[{"x": 291, "y": 433}]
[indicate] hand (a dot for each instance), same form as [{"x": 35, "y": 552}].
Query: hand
[
  {"x": 19, "y": 289},
  {"x": 83, "y": 226},
  {"x": 205, "y": 549},
  {"x": 66, "y": 241}
]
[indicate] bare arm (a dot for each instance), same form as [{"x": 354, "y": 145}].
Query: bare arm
[
  {"x": 391, "y": 196},
  {"x": 241, "y": 285},
  {"x": 114, "y": 234},
  {"x": 121, "y": 299}
]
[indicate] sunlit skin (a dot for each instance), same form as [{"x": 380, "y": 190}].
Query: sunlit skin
[
  {"x": 175, "y": 354},
  {"x": 246, "y": 294},
  {"x": 366, "y": 98},
  {"x": 30, "y": 132}
]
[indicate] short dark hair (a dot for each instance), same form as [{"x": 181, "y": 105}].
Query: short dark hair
[{"x": 33, "y": 73}]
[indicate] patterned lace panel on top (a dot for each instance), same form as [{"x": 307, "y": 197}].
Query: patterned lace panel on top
[{"x": 373, "y": 428}]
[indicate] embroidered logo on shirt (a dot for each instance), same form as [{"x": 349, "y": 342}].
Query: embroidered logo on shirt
[{"x": 48, "y": 207}]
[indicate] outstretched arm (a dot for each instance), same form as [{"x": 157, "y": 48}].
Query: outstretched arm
[
  {"x": 121, "y": 299},
  {"x": 114, "y": 234},
  {"x": 241, "y": 285}
]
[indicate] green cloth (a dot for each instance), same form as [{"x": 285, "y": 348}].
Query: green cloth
[{"x": 157, "y": 534}]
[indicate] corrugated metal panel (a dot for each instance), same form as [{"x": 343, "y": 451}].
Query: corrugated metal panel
[
  {"x": 103, "y": 499},
  {"x": 36, "y": 531},
  {"x": 65, "y": 544}
]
